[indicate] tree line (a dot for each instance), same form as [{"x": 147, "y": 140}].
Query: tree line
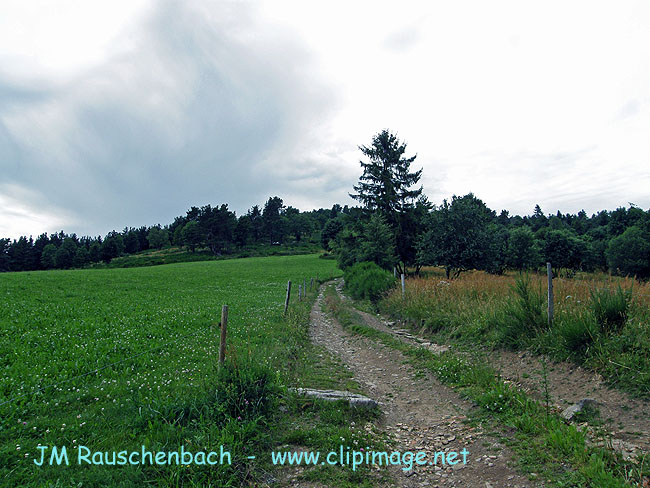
[
  {"x": 217, "y": 230},
  {"x": 395, "y": 227},
  {"x": 464, "y": 234}
]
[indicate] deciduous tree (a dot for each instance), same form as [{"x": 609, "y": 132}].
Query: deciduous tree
[
  {"x": 522, "y": 251},
  {"x": 459, "y": 236},
  {"x": 629, "y": 253},
  {"x": 158, "y": 237}
]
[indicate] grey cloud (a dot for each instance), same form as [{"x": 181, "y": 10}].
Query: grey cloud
[
  {"x": 9, "y": 150},
  {"x": 189, "y": 118},
  {"x": 12, "y": 93}
]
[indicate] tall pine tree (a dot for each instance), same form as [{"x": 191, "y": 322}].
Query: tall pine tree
[{"x": 386, "y": 185}]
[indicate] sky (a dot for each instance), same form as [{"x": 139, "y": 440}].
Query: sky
[{"x": 127, "y": 113}]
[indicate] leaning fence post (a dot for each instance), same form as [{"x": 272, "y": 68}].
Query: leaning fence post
[
  {"x": 286, "y": 301},
  {"x": 222, "y": 342},
  {"x": 549, "y": 274},
  {"x": 403, "y": 288}
]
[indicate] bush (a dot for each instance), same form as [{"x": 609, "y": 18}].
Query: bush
[
  {"x": 610, "y": 309},
  {"x": 577, "y": 334},
  {"x": 247, "y": 391},
  {"x": 524, "y": 316},
  {"x": 368, "y": 281}
]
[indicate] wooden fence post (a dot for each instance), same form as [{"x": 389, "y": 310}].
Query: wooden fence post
[
  {"x": 222, "y": 342},
  {"x": 403, "y": 287},
  {"x": 304, "y": 287},
  {"x": 286, "y": 301},
  {"x": 311, "y": 284},
  {"x": 549, "y": 274},
  {"x": 299, "y": 292}
]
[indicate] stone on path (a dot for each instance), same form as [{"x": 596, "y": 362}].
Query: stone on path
[
  {"x": 354, "y": 399},
  {"x": 572, "y": 410}
]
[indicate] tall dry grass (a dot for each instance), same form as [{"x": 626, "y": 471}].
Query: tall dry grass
[
  {"x": 478, "y": 307},
  {"x": 474, "y": 289}
]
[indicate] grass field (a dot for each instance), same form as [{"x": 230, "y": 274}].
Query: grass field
[
  {"x": 154, "y": 327},
  {"x": 172, "y": 255}
]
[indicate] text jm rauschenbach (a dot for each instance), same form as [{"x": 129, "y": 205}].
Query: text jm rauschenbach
[{"x": 341, "y": 456}]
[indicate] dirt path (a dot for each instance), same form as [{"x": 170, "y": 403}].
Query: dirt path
[{"x": 419, "y": 413}]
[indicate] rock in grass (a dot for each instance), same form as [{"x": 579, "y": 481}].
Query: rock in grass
[
  {"x": 572, "y": 410},
  {"x": 437, "y": 349},
  {"x": 353, "y": 399}
]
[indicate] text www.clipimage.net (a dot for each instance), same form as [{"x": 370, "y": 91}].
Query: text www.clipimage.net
[{"x": 355, "y": 458}]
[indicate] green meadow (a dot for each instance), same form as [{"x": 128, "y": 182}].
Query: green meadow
[{"x": 153, "y": 334}]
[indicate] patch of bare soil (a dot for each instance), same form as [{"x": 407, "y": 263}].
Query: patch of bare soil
[
  {"x": 626, "y": 420},
  {"x": 418, "y": 412}
]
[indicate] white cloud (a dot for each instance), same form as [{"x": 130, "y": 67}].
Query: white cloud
[
  {"x": 57, "y": 40},
  {"x": 22, "y": 215}
]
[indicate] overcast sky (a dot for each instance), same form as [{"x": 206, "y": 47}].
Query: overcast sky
[{"x": 128, "y": 112}]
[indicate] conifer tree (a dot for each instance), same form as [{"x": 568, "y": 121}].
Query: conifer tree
[{"x": 386, "y": 187}]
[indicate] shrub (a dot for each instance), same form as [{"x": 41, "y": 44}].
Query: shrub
[
  {"x": 367, "y": 281},
  {"x": 246, "y": 391},
  {"x": 610, "y": 308},
  {"x": 577, "y": 334},
  {"x": 524, "y": 316}
]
